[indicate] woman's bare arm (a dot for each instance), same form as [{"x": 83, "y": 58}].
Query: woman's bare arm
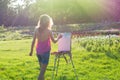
[
  {"x": 53, "y": 39},
  {"x": 33, "y": 43}
]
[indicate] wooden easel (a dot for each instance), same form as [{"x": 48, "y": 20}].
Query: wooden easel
[{"x": 61, "y": 54}]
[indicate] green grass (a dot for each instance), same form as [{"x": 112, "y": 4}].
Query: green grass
[{"x": 15, "y": 64}]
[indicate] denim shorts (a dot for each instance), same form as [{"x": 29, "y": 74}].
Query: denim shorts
[{"x": 44, "y": 58}]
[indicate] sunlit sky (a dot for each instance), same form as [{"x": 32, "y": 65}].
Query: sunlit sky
[{"x": 21, "y": 2}]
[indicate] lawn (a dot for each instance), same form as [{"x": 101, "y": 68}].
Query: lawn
[{"x": 15, "y": 64}]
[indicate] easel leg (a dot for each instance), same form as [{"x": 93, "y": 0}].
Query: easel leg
[
  {"x": 65, "y": 58},
  {"x": 55, "y": 60},
  {"x": 57, "y": 64},
  {"x": 74, "y": 68}
]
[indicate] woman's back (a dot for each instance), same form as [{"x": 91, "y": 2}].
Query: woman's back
[
  {"x": 43, "y": 41},
  {"x": 43, "y": 35}
]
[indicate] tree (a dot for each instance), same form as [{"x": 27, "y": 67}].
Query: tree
[
  {"x": 62, "y": 11},
  {"x": 3, "y": 11}
]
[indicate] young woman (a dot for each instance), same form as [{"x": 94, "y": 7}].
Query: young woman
[{"x": 43, "y": 35}]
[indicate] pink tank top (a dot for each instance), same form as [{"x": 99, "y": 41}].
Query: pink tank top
[{"x": 43, "y": 46}]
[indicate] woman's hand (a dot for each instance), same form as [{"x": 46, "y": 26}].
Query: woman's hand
[
  {"x": 59, "y": 36},
  {"x": 30, "y": 54}
]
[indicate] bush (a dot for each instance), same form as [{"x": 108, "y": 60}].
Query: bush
[
  {"x": 2, "y": 28},
  {"x": 13, "y": 34}
]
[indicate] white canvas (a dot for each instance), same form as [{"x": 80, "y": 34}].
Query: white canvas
[{"x": 65, "y": 42}]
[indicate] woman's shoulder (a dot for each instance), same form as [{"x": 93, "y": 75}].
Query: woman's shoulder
[
  {"x": 36, "y": 29},
  {"x": 49, "y": 31}
]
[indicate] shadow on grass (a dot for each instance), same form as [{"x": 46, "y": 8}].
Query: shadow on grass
[
  {"x": 6, "y": 50},
  {"x": 64, "y": 77},
  {"x": 112, "y": 55}
]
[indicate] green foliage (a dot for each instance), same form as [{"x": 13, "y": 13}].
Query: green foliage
[
  {"x": 13, "y": 33},
  {"x": 105, "y": 44},
  {"x": 10, "y": 36},
  {"x": 2, "y": 28}
]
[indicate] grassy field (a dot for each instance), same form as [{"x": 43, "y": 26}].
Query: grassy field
[
  {"x": 15, "y": 64},
  {"x": 95, "y": 58}
]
